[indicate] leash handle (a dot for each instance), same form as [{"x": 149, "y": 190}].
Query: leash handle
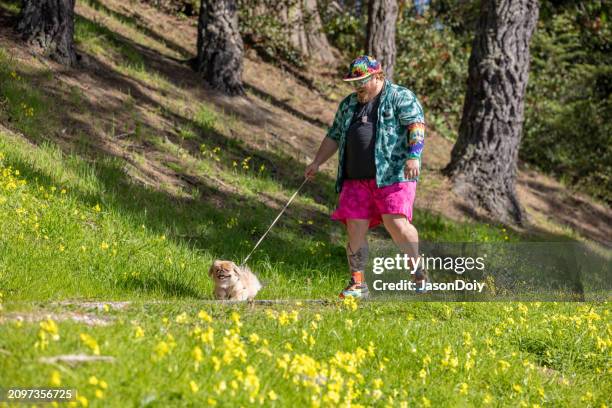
[{"x": 274, "y": 222}]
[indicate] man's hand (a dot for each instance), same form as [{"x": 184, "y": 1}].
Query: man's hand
[
  {"x": 412, "y": 168},
  {"x": 311, "y": 170}
]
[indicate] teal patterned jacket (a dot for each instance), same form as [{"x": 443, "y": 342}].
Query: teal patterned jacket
[{"x": 400, "y": 133}]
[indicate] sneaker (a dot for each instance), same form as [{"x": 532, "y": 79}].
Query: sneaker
[
  {"x": 354, "y": 289},
  {"x": 420, "y": 276}
]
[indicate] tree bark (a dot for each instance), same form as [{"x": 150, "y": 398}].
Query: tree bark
[
  {"x": 220, "y": 47},
  {"x": 49, "y": 26},
  {"x": 306, "y": 31},
  {"x": 380, "y": 39},
  {"x": 483, "y": 162}
]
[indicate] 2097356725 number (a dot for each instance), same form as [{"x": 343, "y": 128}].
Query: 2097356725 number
[{"x": 17, "y": 394}]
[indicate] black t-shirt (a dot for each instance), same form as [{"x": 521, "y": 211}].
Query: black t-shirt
[{"x": 360, "y": 140}]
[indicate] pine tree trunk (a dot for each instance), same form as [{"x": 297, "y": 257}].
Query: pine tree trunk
[
  {"x": 483, "y": 162},
  {"x": 220, "y": 48},
  {"x": 380, "y": 39},
  {"x": 49, "y": 26},
  {"x": 305, "y": 30}
]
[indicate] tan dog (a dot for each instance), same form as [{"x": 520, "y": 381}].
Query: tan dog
[{"x": 233, "y": 282}]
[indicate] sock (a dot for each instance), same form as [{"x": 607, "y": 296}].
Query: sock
[{"x": 357, "y": 277}]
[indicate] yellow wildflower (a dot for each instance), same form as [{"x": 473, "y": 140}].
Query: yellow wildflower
[
  {"x": 467, "y": 339},
  {"x": 503, "y": 365},
  {"x": 216, "y": 363},
  {"x": 161, "y": 349},
  {"x": 588, "y": 396},
  {"x": 56, "y": 379},
  {"x": 83, "y": 401},
  {"x": 182, "y": 318},
  {"x": 139, "y": 332},
  {"x": 283, "y": 318},
  {"x": 205, "y": 316},
  {"x": 350, "y": 303},
  {"x": 235, "y": 317},
  {"x": 208, "y": 336},
  {"x": 91, "y": 343},
  {"x": 193, "y": 386}
]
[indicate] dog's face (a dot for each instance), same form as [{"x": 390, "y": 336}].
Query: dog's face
[{"x": 224, "y": 273}]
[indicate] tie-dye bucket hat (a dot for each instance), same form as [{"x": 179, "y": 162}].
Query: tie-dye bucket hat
[{"x": 362, "y": 67}]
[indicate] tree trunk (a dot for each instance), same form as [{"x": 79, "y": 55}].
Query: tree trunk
[
  {"x": 483, "y": 162},
  {"x": 380, "y": 39},
  {"x": 219, "y": 58},
  {"x": 49, "y": 26},
  {"x": 306, "y": 31}
]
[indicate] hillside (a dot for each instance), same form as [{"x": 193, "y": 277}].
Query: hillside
[
  {"x": 122, "y": 180},
  {"x": 137, "y": 101}
]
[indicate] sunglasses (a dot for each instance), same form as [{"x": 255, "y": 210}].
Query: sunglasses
[{"x": 361, "y": 82}]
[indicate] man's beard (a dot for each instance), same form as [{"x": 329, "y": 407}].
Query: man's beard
[{"x": 363, "y": 97}]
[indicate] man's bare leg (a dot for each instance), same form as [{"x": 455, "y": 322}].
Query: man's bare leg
[
  {"x": 406, "y": 237},
  {"x": 357, "y": 250}
]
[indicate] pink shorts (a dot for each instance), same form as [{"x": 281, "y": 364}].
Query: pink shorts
[{"x": 362, "y": 199}]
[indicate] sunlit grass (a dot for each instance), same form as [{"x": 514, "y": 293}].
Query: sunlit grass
[
  {"x": 76, "y": 228},
  {"x": 389, "y": 354}
]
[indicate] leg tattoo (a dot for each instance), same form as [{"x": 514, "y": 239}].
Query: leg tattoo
[{"x": 359, "y": 259}]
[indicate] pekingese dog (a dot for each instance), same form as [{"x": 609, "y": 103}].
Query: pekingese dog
[{"x": 233, "y": 282}]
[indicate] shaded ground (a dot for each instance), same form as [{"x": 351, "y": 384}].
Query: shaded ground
[{"x": 279, "y": 123}]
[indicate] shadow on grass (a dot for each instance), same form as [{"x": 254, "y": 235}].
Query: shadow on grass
[
  {"x": 199, "y": 222},
  {"x": 138, "y": 25},
  {"x": 284, "y": 106}
]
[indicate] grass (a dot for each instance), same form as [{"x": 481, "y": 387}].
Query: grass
[
  {"x": 393, "y": 354},
  {"x": 99, "y": 40},
  {"x": 23, "y": 105},
  {"x": 75, "y": 226},
  {"x": 63, "y": 204}
]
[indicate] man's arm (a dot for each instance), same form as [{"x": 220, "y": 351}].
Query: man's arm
[
  {"x": 326, "y": 150},
  {"x": 411, "y": 115},
  {"x": 416, "y": 141}
]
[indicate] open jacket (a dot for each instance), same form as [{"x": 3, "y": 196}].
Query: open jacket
[{"x": 400, "y": 133}]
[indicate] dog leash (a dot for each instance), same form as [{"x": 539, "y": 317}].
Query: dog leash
[{"x": 274, "y": 222}]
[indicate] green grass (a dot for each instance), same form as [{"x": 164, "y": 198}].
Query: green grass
[
  {"x": 412, "y": 354},
  {"x": 99, "y": 40},
  {"x": 25, "y": 107},
  {"x": 303, "y": 257},
  {"x": 118, "y": 251},
  {"x": 74, "y": 225},
  {"x": 12, "y": 7},
  {"x": 206, "y": 119}
]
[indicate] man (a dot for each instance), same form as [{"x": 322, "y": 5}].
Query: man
[{"x": 379, "y": 134}]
